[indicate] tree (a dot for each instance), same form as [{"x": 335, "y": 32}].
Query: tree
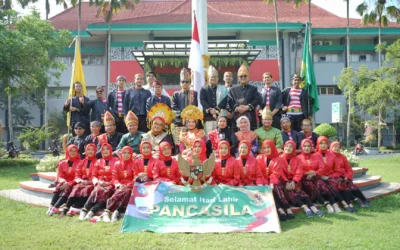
[
  {"x": 348, "y": 65},
  {"x": 107, "y": 9},
  {"x": 381, "y": 11},
  {"x": 27, "y": 54}
]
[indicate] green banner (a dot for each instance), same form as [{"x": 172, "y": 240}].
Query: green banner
[{"x": 166, "y": 208}]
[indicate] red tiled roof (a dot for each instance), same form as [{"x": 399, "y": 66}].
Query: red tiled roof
[{"x": 219, "y": 11}]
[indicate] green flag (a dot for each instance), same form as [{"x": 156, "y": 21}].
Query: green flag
[{"x": 308, "y": 75}]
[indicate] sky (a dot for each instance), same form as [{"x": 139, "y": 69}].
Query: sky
[{"x": 337, "y": 7}]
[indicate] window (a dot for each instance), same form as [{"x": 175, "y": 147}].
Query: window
[
  {"x": 92, "y": 60},
  {"x": 326, "y": 58},
  {"x": 67, "y": 60},
  {"x": 329, "y": 90}
]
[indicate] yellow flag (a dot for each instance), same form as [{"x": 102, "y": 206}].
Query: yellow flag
[{"x": 77, "y": 75}]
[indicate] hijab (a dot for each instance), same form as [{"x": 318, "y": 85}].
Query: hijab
[
  {"x": 274, "y": 151},
  {"x": 148, "y": 156},
  {"x": 130, "y": 155},
  {"x": 162, "y": 157},
  {"x": 224, "y": 157},
  {"x": 306, "y": 155},
  {"x": 293, "y": 154},
  {"x": 106, "y": 158},
  {"x": 68, "y": 157},
  {"x": 203, "y": 154},
  {"x": 248, "y": 149},
  {"x": 93, "y": 158},
  {"x": 319, "y": 140}
]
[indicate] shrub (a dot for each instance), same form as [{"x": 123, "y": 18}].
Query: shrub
[
  {"x": 353, "y": 160},
  {"x": 325, "y": 129},
  {"x": 17, "y": 162},
  {"x": 33, "y": 137},
  {"x": 48, "y": 163}
]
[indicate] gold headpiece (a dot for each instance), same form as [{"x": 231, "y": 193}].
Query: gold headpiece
[
  {"x": 108, "y": 118},
  {"x": 266, "y": 113},
  {"x": 161, "y": 111},
  {"x": 192, "y": 112},
  {"x": 184, "y": 75},
  {"x": 243, "y": 70},
  {"x": 131, "y": 117},
  {"x": 212, "y": 71}
]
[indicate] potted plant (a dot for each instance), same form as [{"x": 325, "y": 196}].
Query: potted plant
[
  {"x": 371, "y": 129},
  {"x": 326, "y": 129},
  {"x": 32, "y": 138}
]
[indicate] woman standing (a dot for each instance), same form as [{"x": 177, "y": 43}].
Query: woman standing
[
  {"x": 250, "y": 173},
  {"x": 83, "y": 178},
  {"x": 271, "y": 165},
  {"x": 122, "y": 178},
  {"x": 102, "y": 180},
  {"x": 66, "y": 179},
  {"x": 292, "y": 174},
  {"x": 226, "y": 170}
]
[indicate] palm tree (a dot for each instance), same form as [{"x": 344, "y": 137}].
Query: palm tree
[
  {"x": 381, "y": 11},
  {"x": 348, "y": 65},
  {"x": 107, "y": 9}
]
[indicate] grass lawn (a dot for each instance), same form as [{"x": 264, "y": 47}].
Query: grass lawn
[{"x": 23, "y": 226}]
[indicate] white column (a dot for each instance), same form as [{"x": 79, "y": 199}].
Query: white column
[{"x": 200, "y": 7}]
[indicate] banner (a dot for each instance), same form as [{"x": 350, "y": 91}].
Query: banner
[{"x": 163, "y": 207}]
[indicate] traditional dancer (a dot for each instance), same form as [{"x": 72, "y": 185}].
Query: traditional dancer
[{"x": 191, "y": 115}]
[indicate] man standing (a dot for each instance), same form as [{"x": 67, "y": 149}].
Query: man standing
[
  {"x": 157, "y": 97},
  {"x": 180, "y": 100},
  {"x": 289, "y": 134},
  {"x": 243, "y": 99},
  {"x": 133, "y": 138},
  {"x": 272, "y": 99},
  {"x": 307, "y": 132},
  {"x": 159, "y": 116},
  {"x": 267, "y": 132},
  {"x": 115, "y": 104},
  {"x": 296, "y": 104},
  {"x": 111, "y": 136},
  {"x": 135, "y": 101},
  {"x": 228, "y": 78},
  {"x": 210, "y": 97},
  {"x": 79, "y": 108},
  {"x": 150, "y": 79},
  {"x": 98, "y": 106}
]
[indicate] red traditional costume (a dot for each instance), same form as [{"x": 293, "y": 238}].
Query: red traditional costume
[
  {"x": 167, "y": 167},
  {"x": 271, "y": 168},
  {"x": 250, "y": 173},
  {"x": 313, "y": 185},
  {"x": 122, "y": 178},
  {"x": 226, "y": 170},
  {"x": 66, "y": 178},
  {"x": 203, "y": 153},
  {"x": 145, "y": 164},
  {"x": 293, "y": 172}
]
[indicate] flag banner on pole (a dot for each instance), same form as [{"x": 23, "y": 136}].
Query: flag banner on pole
[
  {"x": 163, "y": 207},
  {"x": 77, "y": 75},
  {"x": 195, "y": 61},
  {"x": 308, "y": 75}
]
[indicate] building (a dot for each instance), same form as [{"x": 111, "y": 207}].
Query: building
[{"x": 251, "y": 20}]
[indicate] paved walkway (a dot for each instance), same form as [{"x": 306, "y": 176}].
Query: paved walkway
[{"x": 18, "y": 195}]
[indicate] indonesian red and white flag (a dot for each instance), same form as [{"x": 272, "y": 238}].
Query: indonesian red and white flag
[{"x": 195, "y": 61}]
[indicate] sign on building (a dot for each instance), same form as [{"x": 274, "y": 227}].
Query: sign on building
[{"x": 337, "y": 112}]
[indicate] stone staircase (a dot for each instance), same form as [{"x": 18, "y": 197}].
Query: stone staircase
[{"x": 37, "y": 191}]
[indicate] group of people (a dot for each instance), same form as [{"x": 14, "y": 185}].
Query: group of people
[{"x": 99, "y": 170}]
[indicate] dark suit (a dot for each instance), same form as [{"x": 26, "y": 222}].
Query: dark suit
[
  {"x": 275, "y": 102},
  {"x": 112, "y": 106},
  {"x": 153, "y": 100},
  {"x": 81, "y": 116},
  {"x": 295, "y": 137},
  {"x": 208, "y": 99},
  {"x": 250, "y": 96},
  {"x": 135, "y": 100},
  {"x": 180, "y": 100}
]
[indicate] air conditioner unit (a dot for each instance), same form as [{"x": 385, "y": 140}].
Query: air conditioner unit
[
  {"x": 85, "y": 61},
  {"x": 328, "y": 43},
  {"x": 363, "y": 58},
  {"x": 318, "y": 43}
]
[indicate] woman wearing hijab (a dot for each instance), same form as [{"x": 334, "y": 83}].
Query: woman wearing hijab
[
  {"x": 250, "y": 174},
  {"x": 270, "y": 165},
  {"x": 144, "y": 165},
  {"x": 222, "y": 133},
  {"x": 122, "y": 178},
  {"x": 199, "y": 149},
  {"x": 66, "y": 179},
  {"x": 311, "y": 181},
  {"x": 226, "y": 170},
  {"x": 245, "y": 134},
  {"x": 330, "y": 174},
  {"x": 167, "y": 167},
  {"x": 347, "y": 175},
  {"x": 292, "y": 175},
  {"x": 102, "y": 181},
  {"x": 83, "y": 178}
]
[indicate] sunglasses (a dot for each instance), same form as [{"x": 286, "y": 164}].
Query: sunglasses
[
  {"x": 99, "y": 92},
  {"x": 78, "y": 128},
  {"x": 184, "y": 81},
  {"x": 244, "y": 76}
]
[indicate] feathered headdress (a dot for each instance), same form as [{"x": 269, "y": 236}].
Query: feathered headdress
[{"x": 192, "y": 112}]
